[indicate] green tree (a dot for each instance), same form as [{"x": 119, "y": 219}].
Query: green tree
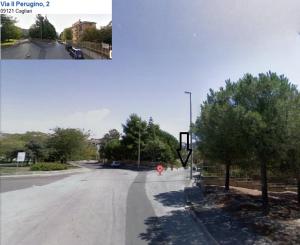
[
  {"x": 219, "y": 129},
  {"x": 170, "y": 140},
  {"x": 265, "y": 101},
  {"x": 90, "y": 34},
  {"x": 9, "y": 30},
  {"x": 36, "y": 150},
  {"x": 42, "y": 29},
  {"x": 94, "y": 35},
  {"x": 68, "y": 144},
  {"x": 155, "y": 150},
  {"x": 133, "y": 129},
  {"x": 110, "y": 147},
  {"x": 67, "y": 35},
  {"x": 11, "y": 144},
  {"x": 291, "y": 163},
  {"x": 112, "y": 150}
]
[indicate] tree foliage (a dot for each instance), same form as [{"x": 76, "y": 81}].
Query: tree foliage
[
  {"x": 219, "y": 129},
  {"x": 42, "y": 29},
  {"x": 155, "y": 144},
  {"x": 33, "y": 143},
  {"x": 68, "y": 144},
  {"x": 9, "y": 30},
  {"x": 254, "y": 119},
  {"x": 66, "y": 35},
  {"x": 95, "y": 35}
]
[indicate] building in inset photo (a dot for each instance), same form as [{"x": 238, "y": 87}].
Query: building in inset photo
[{"x": 79, "y": 27}]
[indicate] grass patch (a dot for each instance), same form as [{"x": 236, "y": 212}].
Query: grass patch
[
  {"x": 8, "y": 43},
  {"x": 48, "y": 166},
  {"x": 14, "y": 170}
]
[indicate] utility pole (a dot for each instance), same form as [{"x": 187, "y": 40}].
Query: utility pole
[
  {"x": 191, "y": 133},
  {"x": 139, "y": 148}
]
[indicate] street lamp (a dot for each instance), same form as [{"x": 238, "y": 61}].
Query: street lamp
[
  {"x": 191, "y": 133},
  {"x": 139, "y": 148}
]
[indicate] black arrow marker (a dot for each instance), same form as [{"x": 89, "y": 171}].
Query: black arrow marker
[{"x": 184, "y": 162}]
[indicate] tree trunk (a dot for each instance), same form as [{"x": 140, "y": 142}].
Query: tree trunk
[
  {"x": 227, "y": 176},
  {"x": 298, "y": 184},
  {"x": 264, "y": 187}
]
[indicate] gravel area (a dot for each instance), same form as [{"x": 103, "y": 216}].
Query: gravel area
[{"x": 240, "y": 220}]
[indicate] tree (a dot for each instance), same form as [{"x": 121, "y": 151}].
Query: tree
[
  {"x": 42, "y": 29},
  {"x": 68, "y": 144},
  {"x": 265, "y": 101},
  {"x": 134, "y": 129},
  {"x": 170, "y": 140},
  {"x": 249, "y": 120},
  {"x": 110, "y": 147},
  {"x": 112, "y": 150},
  {"x": 155, "y": 150},
  {"x": 90, "y": 34},
  {"x": 219, "y": 129},
  {"x": 11, "y": 144},
  {"x": 291, "y": 163},
  {"x": 36, "y": 150},
  {"x": 94, "y": 35},
  {"x": 8, "y": 28},
  {"x": 155, "y": 144},
  {"x": 67, "y": 34}
]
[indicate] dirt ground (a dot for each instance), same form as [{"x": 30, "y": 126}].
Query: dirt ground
[{"x": 238, "y": 213}]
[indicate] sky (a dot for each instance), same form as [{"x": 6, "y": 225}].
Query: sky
[
  {"x": 62, "y": 21},
  {"x": 160, "y": 49}
]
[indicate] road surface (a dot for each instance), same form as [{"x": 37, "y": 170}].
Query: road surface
[
  {"x": 102, "y": 206},
  {"x": 16, "y": 183},
  {"x": 36, "y": 50}
]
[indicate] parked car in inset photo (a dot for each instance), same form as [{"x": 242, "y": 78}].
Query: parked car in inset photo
[{"x": 76, "y": 53}]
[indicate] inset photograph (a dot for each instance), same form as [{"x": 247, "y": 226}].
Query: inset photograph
[{"x": 58, "y": 37}]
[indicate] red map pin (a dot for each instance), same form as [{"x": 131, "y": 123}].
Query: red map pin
[{"x": 159, "y": 168}]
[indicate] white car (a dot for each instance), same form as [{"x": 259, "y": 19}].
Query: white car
[{"x": 115, "y": 164}]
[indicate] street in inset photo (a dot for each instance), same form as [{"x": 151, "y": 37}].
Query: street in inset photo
[{"x": 56, "y": 37}]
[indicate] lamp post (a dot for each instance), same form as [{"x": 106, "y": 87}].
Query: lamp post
[
  {"x": 139, "y": 148},
  {"x": 191, "y": 133}
]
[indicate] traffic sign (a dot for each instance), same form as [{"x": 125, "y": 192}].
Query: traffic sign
[{"x": 159, "y": 168}]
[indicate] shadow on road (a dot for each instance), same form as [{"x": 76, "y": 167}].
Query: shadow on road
[
  {"x": 171, "y": 199},
  {"x": 123, "y": 166},
  {"x": 176, "y": 228}
]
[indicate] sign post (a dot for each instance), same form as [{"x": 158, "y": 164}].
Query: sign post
[{"x": 20, "y": 157}]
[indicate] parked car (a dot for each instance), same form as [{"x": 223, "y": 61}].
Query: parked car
[
  {"x": 76, "y": 53},
  {"x": 115, "y": 164},
  {"x": 68, "y": 47}
]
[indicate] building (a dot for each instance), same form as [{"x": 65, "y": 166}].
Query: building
[{"x": 79, "y": 27}]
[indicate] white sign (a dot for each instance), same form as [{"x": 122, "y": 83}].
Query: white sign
[
  {"x": 21, "y": 156},
  {"x": 105, "y": 45}
]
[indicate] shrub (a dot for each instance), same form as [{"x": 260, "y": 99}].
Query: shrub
[{"x": 48, "y": 166}]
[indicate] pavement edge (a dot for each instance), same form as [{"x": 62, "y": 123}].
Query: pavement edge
[{"x": 190, "y": 209}]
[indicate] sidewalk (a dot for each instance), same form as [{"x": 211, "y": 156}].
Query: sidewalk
[{"x": 194, "y": 198}]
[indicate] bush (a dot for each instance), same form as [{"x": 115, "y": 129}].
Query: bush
[{"x": 48, "y": 166}]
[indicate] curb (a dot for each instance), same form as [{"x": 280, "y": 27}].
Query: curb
[
  {"x": 190, "y": 209},
  {"x": 47, "y": 173}
]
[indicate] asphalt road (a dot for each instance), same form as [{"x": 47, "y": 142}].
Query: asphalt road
[
  {"x": 16, "y": 183},
  {"x": 102, "y": 206},
  {"x": 35, "y": 50}
]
